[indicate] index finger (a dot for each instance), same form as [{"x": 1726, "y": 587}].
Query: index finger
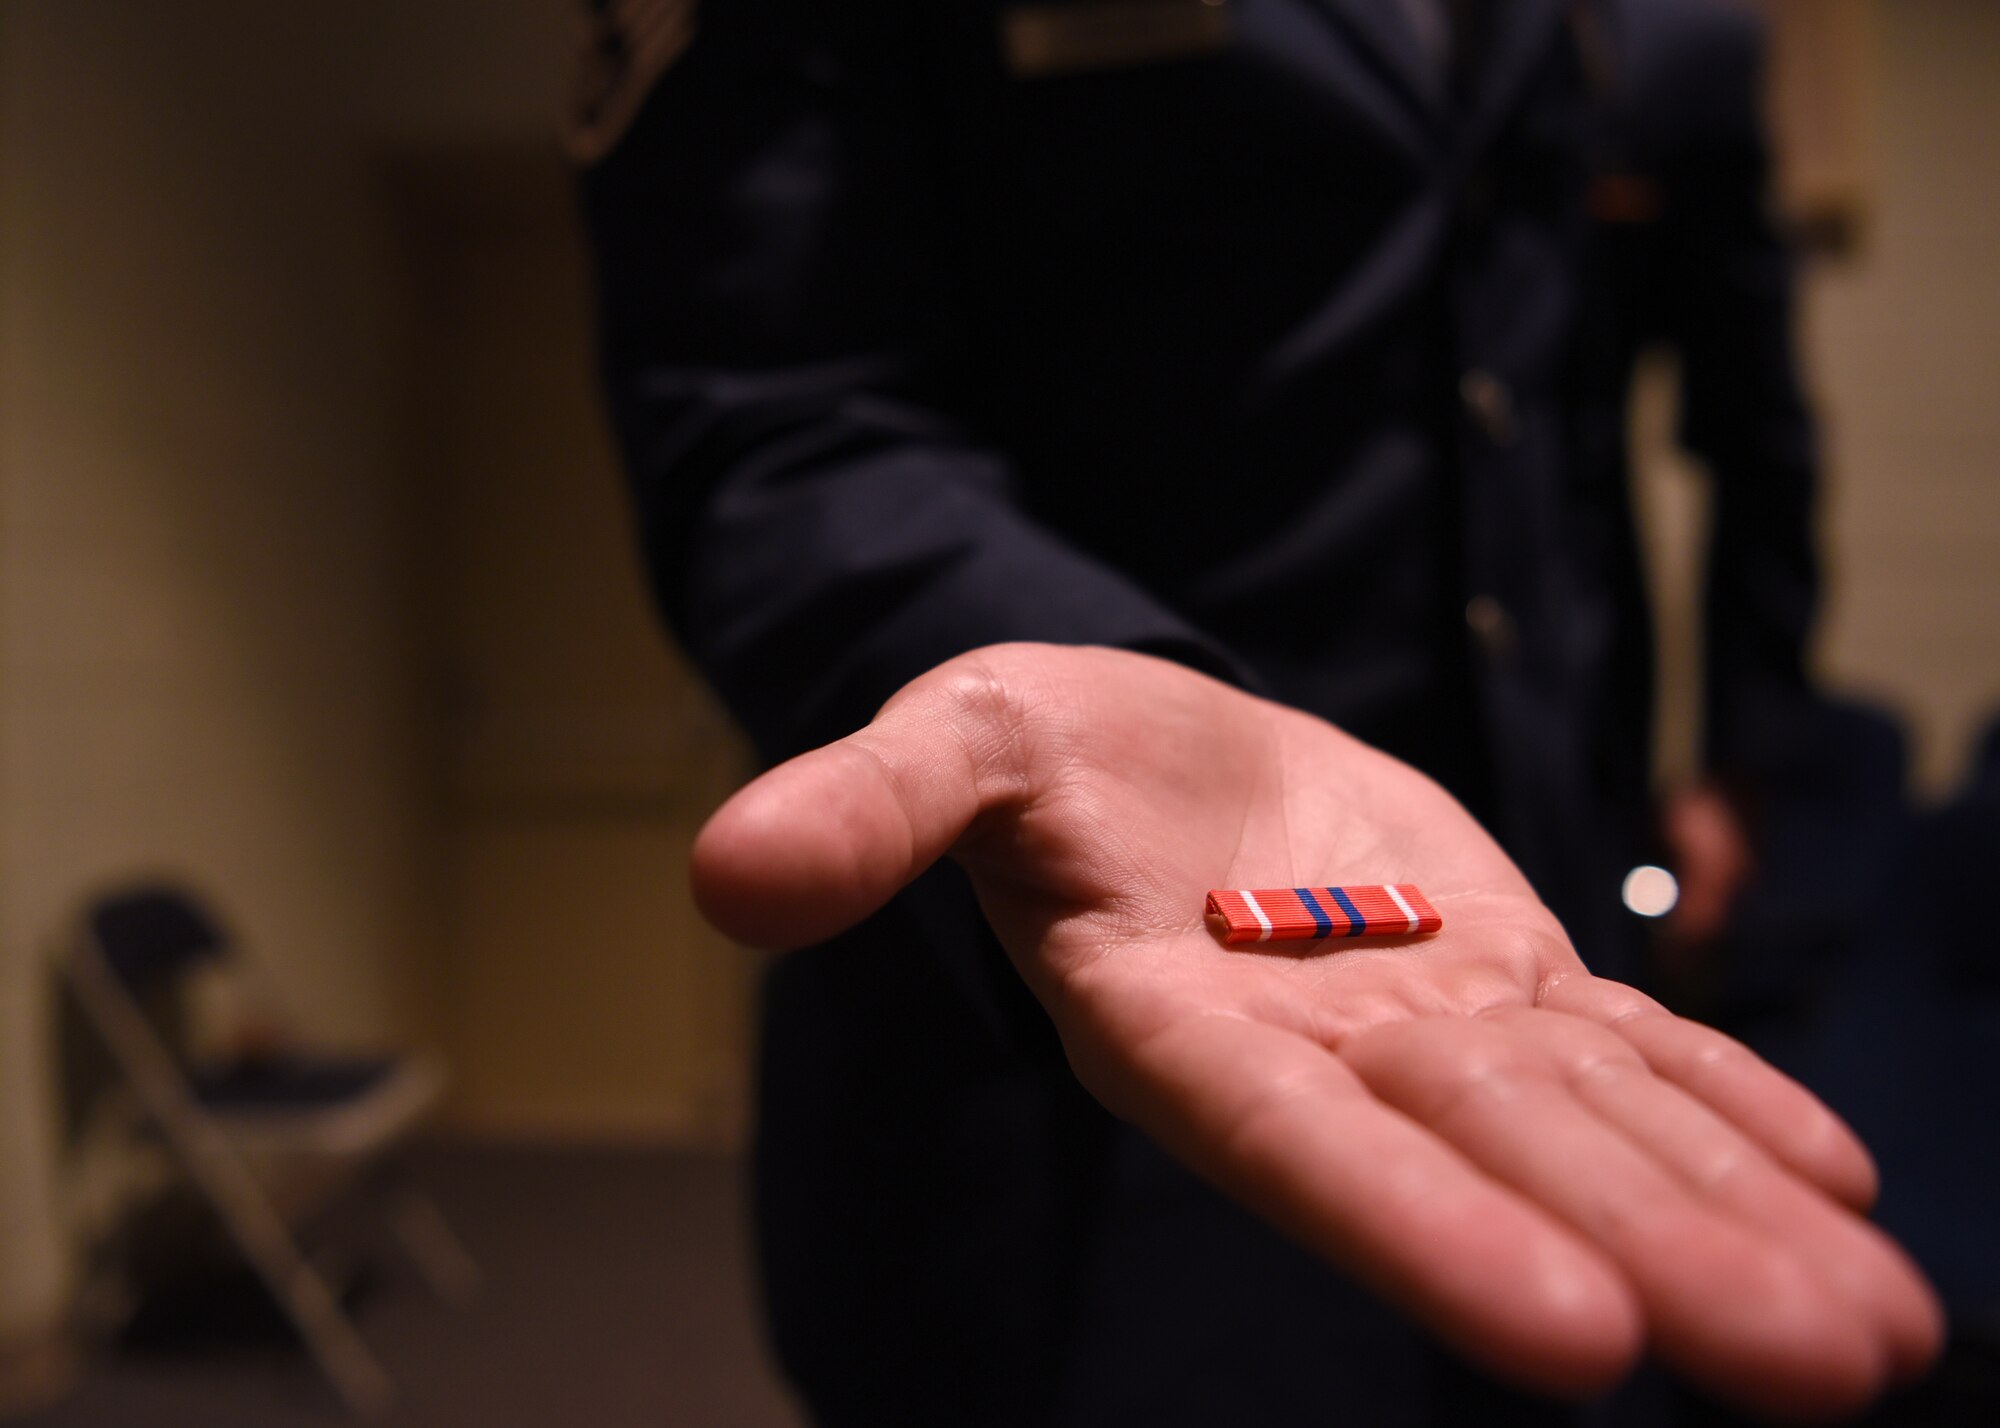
[{"x": 1770, "y": 1107}]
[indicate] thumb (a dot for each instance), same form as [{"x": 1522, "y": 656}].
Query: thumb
[{"x": 825, "y": 839}]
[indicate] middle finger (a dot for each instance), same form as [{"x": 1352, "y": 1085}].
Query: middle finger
[{"x": 1723, "y": 1302}]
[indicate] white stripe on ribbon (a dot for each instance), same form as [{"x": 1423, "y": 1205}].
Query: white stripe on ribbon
[
  {"x": 1257, "y": 912},
  {"x": 1403, "y": 903}
]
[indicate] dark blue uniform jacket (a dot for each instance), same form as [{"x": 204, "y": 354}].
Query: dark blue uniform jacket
[{"x": 1248, "y": 334}]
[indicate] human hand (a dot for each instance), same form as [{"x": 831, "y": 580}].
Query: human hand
[
  {"x": 1547, "y": 1168},
  {"x": 1709, "y": 851}
]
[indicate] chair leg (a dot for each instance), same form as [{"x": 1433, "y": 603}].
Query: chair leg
[
  {"x": 266, "y": 1241},
  {"x": 246, "y": 1213},
  {"x": 356, "y": 1374},
  {"x": 439, "y": 1255}
]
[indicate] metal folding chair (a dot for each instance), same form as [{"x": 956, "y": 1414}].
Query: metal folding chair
[{"x": 231, "y": 1124}]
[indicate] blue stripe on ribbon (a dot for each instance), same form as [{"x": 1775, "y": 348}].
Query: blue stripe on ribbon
[
  {"x": 1320, "y": 919},
  {"x": 1357, "y": 923}
]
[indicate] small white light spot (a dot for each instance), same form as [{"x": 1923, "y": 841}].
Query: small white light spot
[{"x": 1651, "y": 891}]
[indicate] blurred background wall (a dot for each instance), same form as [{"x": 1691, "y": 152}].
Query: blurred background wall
[
  {"x": 315, "y": 588},
  {"x": 1905, "y": 343},
  {"x": 197, "y": 621},
  {"x": 1901, "y": 335}
]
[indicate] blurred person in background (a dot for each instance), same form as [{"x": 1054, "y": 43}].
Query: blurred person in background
[{"x": 1275, "y": 353}]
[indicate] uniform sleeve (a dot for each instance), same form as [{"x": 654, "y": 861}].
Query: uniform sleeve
[
  {"x": 781, "y": 344},
  {"x": 1743, "y": 411}
]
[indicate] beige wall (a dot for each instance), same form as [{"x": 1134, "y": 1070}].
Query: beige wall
[
  {"x": 1902, "y": 349},
  {"x": 577, "y": 993},
  {"x": 199, "y": 667},
  {"x": 236, "y": 640},
  {"x": 1905, "y": 345}
]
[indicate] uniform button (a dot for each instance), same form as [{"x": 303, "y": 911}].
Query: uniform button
[
  {"x": 1490, "y": 403},
  {"x": 1491, "y": 625},
  {"x": 1650, "y": 891}
]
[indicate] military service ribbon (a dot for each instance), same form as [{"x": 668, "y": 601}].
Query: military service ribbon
[{"x": 1308, "y": 914}]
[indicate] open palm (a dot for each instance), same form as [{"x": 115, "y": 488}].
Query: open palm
[{"x": 1547, "y": 1168}]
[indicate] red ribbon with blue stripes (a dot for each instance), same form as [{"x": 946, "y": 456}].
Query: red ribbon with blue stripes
[{"x": 1310, "y": 914}]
